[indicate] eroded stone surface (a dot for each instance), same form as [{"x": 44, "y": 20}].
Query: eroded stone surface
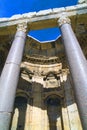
[{"x": 44, "y": 77}]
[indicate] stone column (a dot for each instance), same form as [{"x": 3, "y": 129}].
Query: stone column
[
  {"x": 9, "y": 77},
  {"x": 71, "y": 107},
  {"x": 77, "y": 65}
]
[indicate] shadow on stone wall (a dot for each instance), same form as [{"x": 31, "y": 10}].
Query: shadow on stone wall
[
  {"x": 52, "y": 102},
  {"x": 19, "y": 113},
  {"x": 29, "y": 88}
]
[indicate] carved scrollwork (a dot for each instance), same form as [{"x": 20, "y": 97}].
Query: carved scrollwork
[
  {"x": 22, "y": 27},
  {"x": 63, "y": 19}
]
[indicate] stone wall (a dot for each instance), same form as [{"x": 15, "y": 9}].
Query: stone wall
[{"x": 50, "y": 100}]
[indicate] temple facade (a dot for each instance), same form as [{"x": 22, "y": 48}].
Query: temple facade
[{"x": 43, "y": 86}]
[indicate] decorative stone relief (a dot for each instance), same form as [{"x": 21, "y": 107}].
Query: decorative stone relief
[
  {"x": 63, "y": 19},
  {"x": 22, "y": 27}
]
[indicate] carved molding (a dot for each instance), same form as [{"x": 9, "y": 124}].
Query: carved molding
[{"x": 42, "y": 60}]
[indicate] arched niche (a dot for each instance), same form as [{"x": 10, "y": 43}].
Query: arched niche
[
  {"x": 19, "y": 113},
  {"x": 53, "y": 105}
]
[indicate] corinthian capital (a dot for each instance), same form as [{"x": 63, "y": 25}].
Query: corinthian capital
[
  {"x": 63, "y": 19},
  {"x": 22, "y": 27}
]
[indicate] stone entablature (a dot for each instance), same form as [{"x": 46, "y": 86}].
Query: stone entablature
[
  {"x": 39, "y": 69},
  {"x": 41, "y": 19}
]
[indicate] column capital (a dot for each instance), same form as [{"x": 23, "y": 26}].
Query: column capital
[
  {"x": 63, "y": 19},
  {"x": 22, "y": 27}
]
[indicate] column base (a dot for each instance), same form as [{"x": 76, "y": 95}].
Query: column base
[{"x": 5, "y": 119}]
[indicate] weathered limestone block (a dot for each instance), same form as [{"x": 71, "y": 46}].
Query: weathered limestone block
[
  {"x": 29, "y": 15},
  {"x": 58, "y": 10},
  {"x": 44, "y": 12},
  {"x": 17, "y": 16}
]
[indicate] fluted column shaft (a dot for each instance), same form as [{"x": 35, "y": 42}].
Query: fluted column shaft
[
  {"x": 10, "y": 76},
  {"x": 77, "y": 65}
]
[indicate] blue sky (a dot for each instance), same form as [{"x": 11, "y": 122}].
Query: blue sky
[{"x": 11, "y": 7}]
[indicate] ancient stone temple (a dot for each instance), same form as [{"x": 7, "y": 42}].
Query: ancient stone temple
[{"x": 43, "y": 86}]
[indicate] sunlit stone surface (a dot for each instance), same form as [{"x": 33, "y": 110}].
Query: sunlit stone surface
[{"x": 45, "y": 97}]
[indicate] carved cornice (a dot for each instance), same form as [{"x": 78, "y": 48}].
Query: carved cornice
[
  {"x": 42, "y": 60},
  {"x": 41, "y": 19}
]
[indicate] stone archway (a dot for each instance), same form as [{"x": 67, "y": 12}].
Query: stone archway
[
  {"x": 53, "y": 105},
  {"x": 19, "y": 115}
]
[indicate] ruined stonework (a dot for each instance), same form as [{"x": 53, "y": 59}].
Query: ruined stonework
[
  {"x": 49, "y": 95},
  {"x": 45, "y": 97}
]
